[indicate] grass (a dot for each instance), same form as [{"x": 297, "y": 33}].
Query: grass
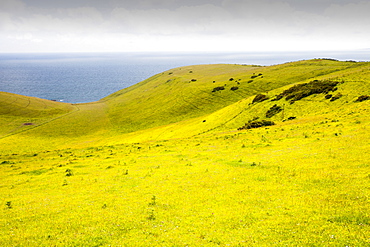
[
  {"x": 91, "y": 175},
  {"x": 221, "y": 189}
]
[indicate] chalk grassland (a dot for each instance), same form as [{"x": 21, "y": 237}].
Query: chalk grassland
[{"x": 194, "y": 179}]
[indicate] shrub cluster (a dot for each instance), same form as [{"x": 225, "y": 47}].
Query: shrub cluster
[
  {"x": 338, "y": 96},
  {"x": 362, "y": 98},
  {"x": 304, "y": 90},
  {"x": 275, "y": 109},
  {"x": 218, "y": 89},
  {"x": 259, "y": 98},
  {"x": 255, "y": 76},
  {"x": 256, "y": 124}
]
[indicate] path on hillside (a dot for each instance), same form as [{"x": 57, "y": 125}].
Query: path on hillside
[{"x": 24, "y": 128}]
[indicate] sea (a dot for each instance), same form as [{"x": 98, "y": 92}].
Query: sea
[{"x": 88, "y": 77}]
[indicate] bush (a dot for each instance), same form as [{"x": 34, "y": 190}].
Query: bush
[
  {"x": 234, "y": 88},
  {"x": 304, "y": 90},
  {"x": 338, "y": 96},
  {"x": 255, "y": 76},
  {"x": 256, "y": 124},
  {"x": 218, "y": 89},
  {"x": 362, "y": 98},
  {"x": 273, "y": 111},
  {"x": 259, "y": 98}
]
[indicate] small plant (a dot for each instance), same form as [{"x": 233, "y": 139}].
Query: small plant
[
  {"x": 193, "y": 80},
  {"x": 153, "y": 202},
  {"x": 69, "y": 173},
  {"x": 151, "y": 215},
  {"x": 234, "y": 88},
  {"x": 231, "y": 79},
  {"x": 9, "y": 204}
]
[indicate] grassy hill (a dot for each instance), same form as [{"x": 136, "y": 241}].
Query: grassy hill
[
  {"x": 176, "y": 160},
  {"x": 171, "y": 97},
  {"x": 20, "y": 113}
]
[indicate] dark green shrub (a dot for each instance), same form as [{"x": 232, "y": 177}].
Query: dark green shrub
[
  {"x": 6, "y": 162},
  {"x": 218, "y": 89},
  {"x": 260, "y": 98},
  {"x": 338, "y": 96},
  {"x": 234, "y": 88},
  {"x": 255, "y": 76},
  {"x": 69, "y": 173},
  {"x": 362, "y": 98},
  {"x": 256, "y": 124},
  {"x": 304, "y": 90},
  {"x": 275, "y": 109}
]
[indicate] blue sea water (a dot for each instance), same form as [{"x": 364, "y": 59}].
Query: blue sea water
[{"x": 87, "y": 77}]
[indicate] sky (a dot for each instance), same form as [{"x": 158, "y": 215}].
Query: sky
[{"x": 183, "y": 25}]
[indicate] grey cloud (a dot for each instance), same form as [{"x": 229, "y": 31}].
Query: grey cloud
[{"x": 224, "y": 21}]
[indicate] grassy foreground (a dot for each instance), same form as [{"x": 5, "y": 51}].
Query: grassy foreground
[{"x": 196, "y": 181}]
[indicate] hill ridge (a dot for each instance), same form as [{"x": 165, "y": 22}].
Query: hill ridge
[{"x": 189, "y": 95}]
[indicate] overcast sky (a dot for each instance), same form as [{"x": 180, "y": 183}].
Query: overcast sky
[{"x": 183, "y": 25}]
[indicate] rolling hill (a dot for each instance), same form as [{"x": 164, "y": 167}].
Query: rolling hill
[
  {"x": 166, "y": 100},
  {"x": 207, "y": 155}
]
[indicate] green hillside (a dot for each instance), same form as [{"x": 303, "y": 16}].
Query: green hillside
[
  {"x": 207, "y": 155},
  {"x": 19, "y": 113},
  {"x": 171, "y": 97}
]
